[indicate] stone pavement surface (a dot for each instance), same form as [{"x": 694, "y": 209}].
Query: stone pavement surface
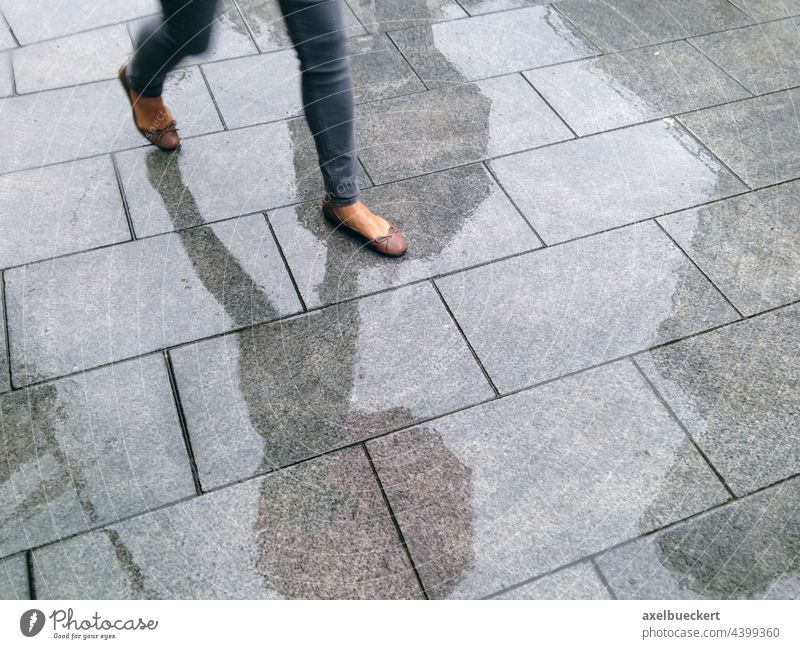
[{"x": 582, "y": 381}]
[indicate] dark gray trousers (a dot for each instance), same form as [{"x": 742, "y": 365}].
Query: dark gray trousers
[{"x": 317, "y": 30}]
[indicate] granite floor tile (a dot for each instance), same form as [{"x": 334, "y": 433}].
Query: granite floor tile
[
  {"x": 757, "y": 138},
  {"x": 580, "y": 581},
  {"x": 37, "y": 20},
  {"x": 591, "y": 184},
  {"x": 256, "y": 89},
  {"x": 562, "y": 309},
  {"x": 737, "y": 391},
  {"x": 769, "y": 9},
  {"x": 5, "y": 379},
  {"x": 6, "y": 37},
  {"x": 273, "y": 395},
  {"x": 486, "y": 46},
  {"x": 499, "y": 493},
  {"x": 749, "y": 549},
  {"x": 431, "y": 131},
  {"x": 265, "y": 20},
  {"x": 318, "y": 530},
  {"x": 89, "y": 449},
  {"x": 749, "y": 246},
  {"x": 763, "y": 58},
  {"x": 60, "y": 209},
  {"x": 14, "y": 578},
  {"x": 265, "y": 88},
  {"x": 379, "y": 70},
  {"x": 220, "y": 176},
  {"x": 229, "y": 37},
  {"x": 70, "y": 123},
  {"x": 625, "y": 88},
  {"x": 85, "y": 310},
  {"x": 476, "y": 7},
  {"x": 6, "y": 75},
  {"x": 453, "y": 219},
  {"x": 385, "y": 15},
  {"x": 624, "y": 24},
  {"x": 71, "y": 60}
]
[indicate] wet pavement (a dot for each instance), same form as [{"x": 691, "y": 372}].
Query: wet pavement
[{"x": 581, "y": 382}]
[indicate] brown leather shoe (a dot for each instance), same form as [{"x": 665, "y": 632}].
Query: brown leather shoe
[
  {"x": 164, "y": 137},
  {"x": 392, "y": 244}
]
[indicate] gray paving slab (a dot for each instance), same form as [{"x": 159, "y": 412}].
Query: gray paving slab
[
  {"x": 407, "y": 136},
  {"x": 60, "y": 209},
  {"x": 273, "y": 395},
  {"x": 6, "y": 75},
  {"x": 7, "y": 40},
  {"x": 221, "y": 176},
  {"x": 476, "y": 7},
  {"x": 747, "y": 245},
  {"x": 624, "y": 24},
  {"x": 229, "y": 36},
  {"x": 265, "y": 20},
  {"x": 763, "y": 58},
  {"x": 736, "y": 390},
  {"x": 379, "y": 70},
  {"x": 580, "y": 581},
  {"x": 591, "y": 184},
  {"x": 757, "y": 138},
  {"x": 769, "y": 9},
  {"x": 626, "y": 88},
  {"x": 749, "y": 549},
  {"x": 38, "y": 20},
  {"x": 256, "y": 89},
  {"x": 70, "y": 123},
  {"x": 265, "y": 88},
  {"x": 502, "y": 492},
  {"x": 14, "y": 578},
  {"x": 453, "y": 219},
  {"x": 385, "y": 15},
  {"x": 89, "y": 449},
  {"x": 71, "y": 60},
  {"x": 85, "y": 310},
  {"x": 318, "y": 530},
  {"x": 554, "y": 311},
  {"x": 490, "y": 45}
]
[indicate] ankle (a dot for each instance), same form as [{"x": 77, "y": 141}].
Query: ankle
[{"x": 350, "y": 209}]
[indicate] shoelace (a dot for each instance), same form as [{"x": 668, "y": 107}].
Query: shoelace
[
  {"x": 387, "y": 236},
  {"x": 158, "y": 133}
]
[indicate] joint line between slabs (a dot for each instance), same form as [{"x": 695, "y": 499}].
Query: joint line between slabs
[
  {"x": 285, "y": 263},
  {"x": 125, "y": 205},
  {"x": 182, "y": 423},
  {"x": 602, "y": 577},
  {"x": 395, "y": 522},
  {"x": 31, "y": 579},
  {"x": 700, "y": 270},
  {"x": 6, "y": 330},
  {"x": 488, "y": 378},
  {"x": 685, "y": 430}
]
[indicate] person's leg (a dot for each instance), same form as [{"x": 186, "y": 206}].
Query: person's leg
[
  {"x": 183, "y": 29},
  {"x": 318, "y": 32}
]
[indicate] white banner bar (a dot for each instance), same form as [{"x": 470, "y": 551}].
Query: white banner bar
[{"x": 505, "y": 624}]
